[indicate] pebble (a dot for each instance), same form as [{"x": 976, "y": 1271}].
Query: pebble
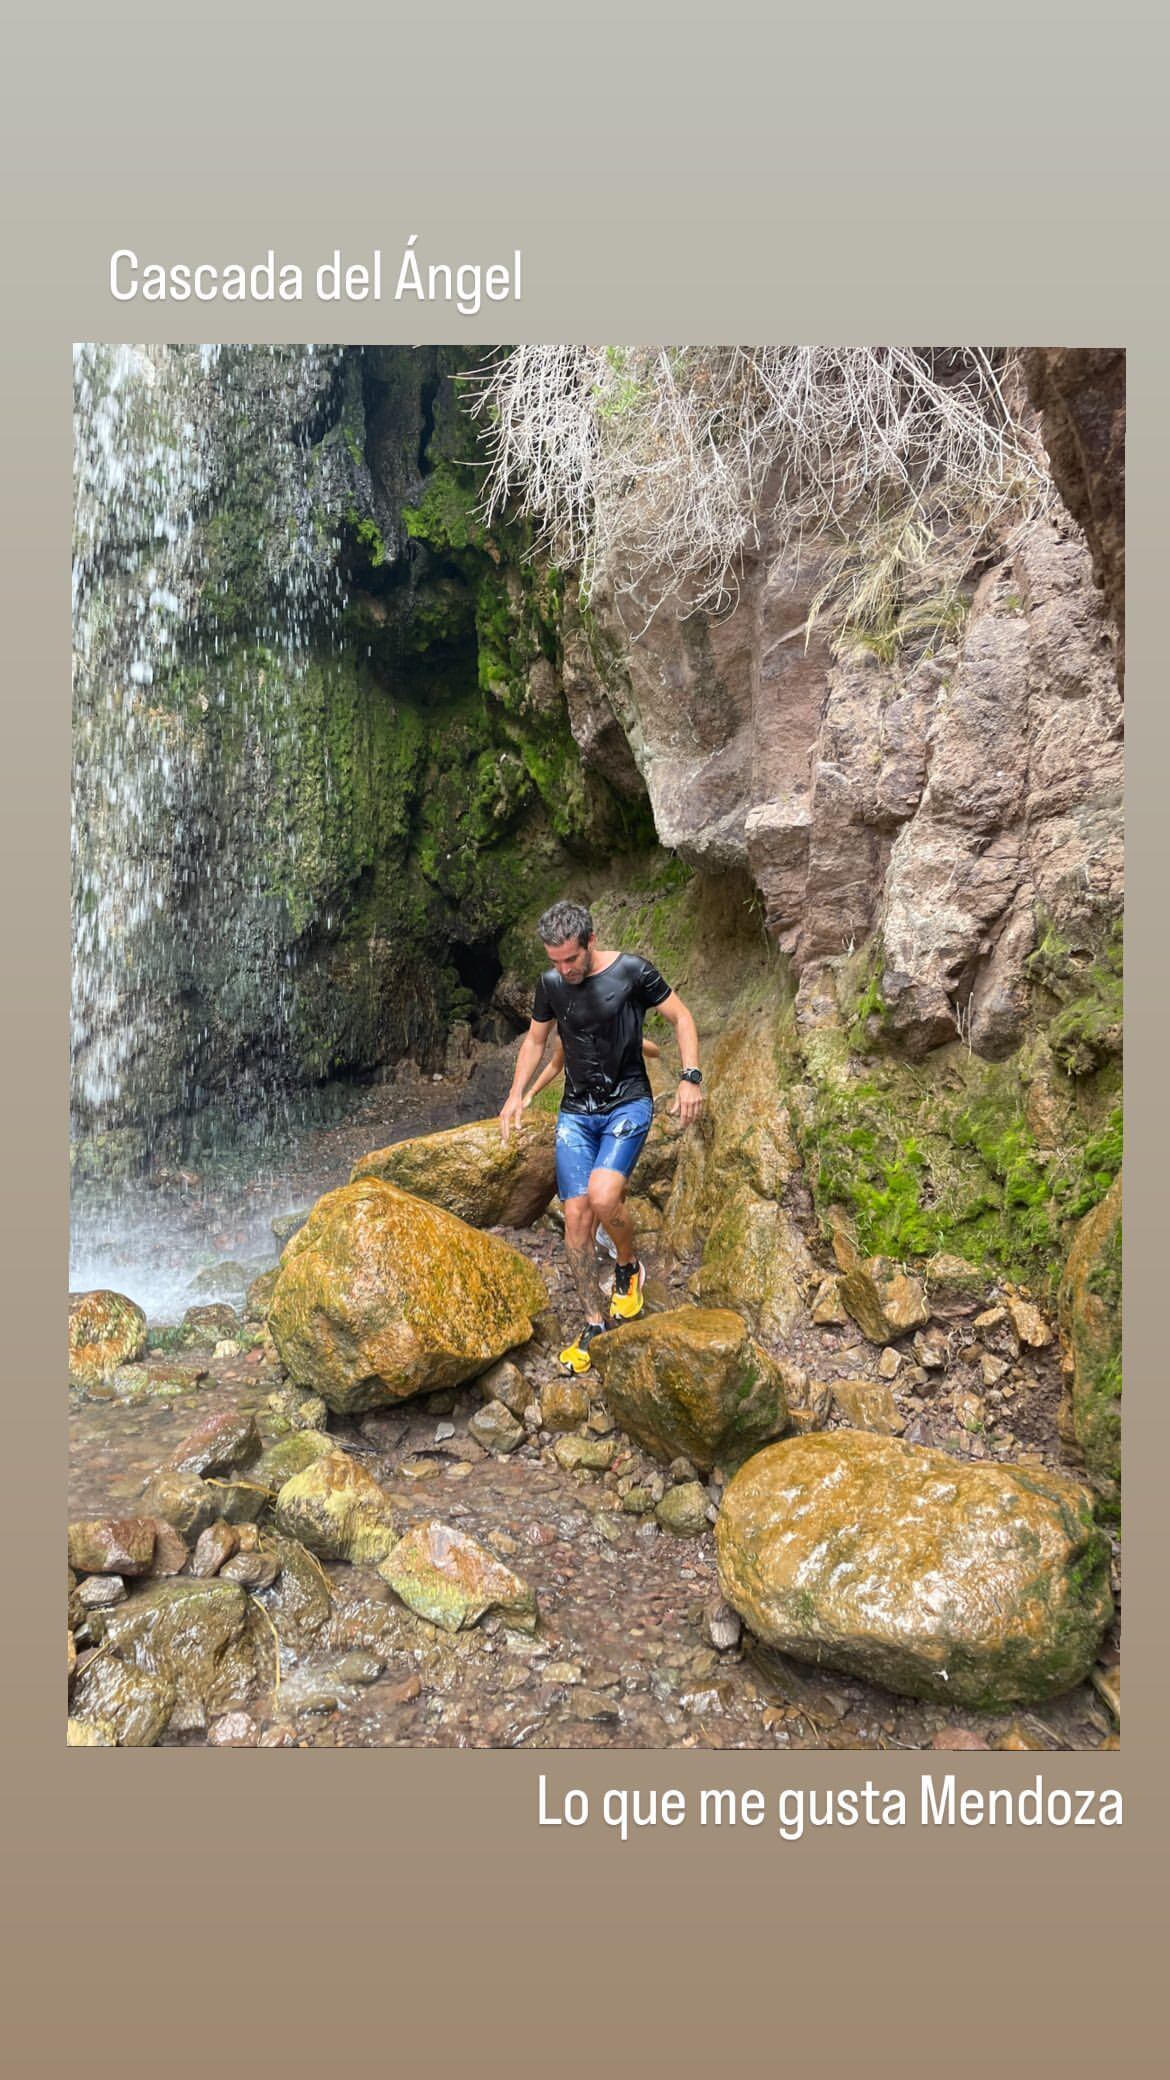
[
  {"x": 250, "y": 1570},
  {"x": 234, "y": 1730},
  {"x": 889, "y": 1362},
  {"x": 958, "y": 1737},
  {"x": 99, "y": 1591},
  {"x": 724, "y": 1627}
]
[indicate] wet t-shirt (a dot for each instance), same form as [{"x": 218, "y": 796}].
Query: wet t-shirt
[{"x": 600, "y": 1024}]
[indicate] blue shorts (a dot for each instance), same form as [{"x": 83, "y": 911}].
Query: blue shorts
[{"x": 588, "y": 1141}]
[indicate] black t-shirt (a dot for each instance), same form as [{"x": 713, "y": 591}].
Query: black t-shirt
[{"x": 600, "y": 1024}]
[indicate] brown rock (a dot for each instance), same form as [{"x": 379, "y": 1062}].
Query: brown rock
[
  {"x": 564, "y": 1405},
  {"x": 382, "y": 1296},
  {"x": 212, "y": 1548},
  {"x": 170, "y": 1551},
  {"x": 505, "y": 1382},
  {"x": 1028, "y": 1322},
  {"x": 470, "y": 1171},
  {"x": 225, "y": 1440},
  {"x": 693, "y": 1381},
  {"x": 496, "y": 1428},
  {"x": 868, "y": 1404},
  {"x": 827, "y": 1309},
  {"x": 958, "y": 1738},
  {"x": 111, "y": 1545},
  {"x": 984, "y": 1585},
  {"x": 337, "y": 1510},
  {"x": 884, "y": 1301},
  {"x": 451, "y": 1580}
]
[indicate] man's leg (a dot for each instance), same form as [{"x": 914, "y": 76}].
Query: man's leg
[
  {"x": 580, "y": 1225},
  {"x": 608, "y": 1204}
]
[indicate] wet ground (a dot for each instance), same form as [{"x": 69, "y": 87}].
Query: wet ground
[{"x": 625, "y": 1654}]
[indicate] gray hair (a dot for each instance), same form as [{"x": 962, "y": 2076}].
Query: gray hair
[{"x": 565, "y": 921}]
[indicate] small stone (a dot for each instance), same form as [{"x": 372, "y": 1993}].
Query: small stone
[
  {"x": 111, "y": 1545},
  {"x": 637, "y": 1502},
  {"x": 251, "y": 1570},
  {"x": 970, "y": 1411},
  {"x": 724, "y": 1627},
  {"x": 958, "y": 1738},
  {"x": 868, "y": 1404},
  {"x": 440, "y": 1403},
  {"x": 684, "y": 1509},
  {"x": 450, "y": 1579},
  {"x": 1030, "y": 1325},
  {"x": 889, "y": 1363},
  {"x": 564, "y": 1404},
  {"x": 99, "y": 1591},
  {"x": 233, "y": 1730},
  {"x": 595, "y": 1709},
  {"x": 170, "y": 1551},
  {"x": 992, "y": 1369},
  {"x": 404, "y": 1692},
  {"x": 827, "y": 1309},
  {"x": 417, "y": 1468},
  {"x": 443, "y": 1431},
  {"x": 505, "y": 1382},
  {"x": 593, "y": 1453},
  {"x": 1017, "y": 1741},
  {"x": 495, "y": 1428},
  {"x": 532, "y": 1415},
  {"x": 221, "y": 1443},
  {"x": 227, "y": 1347},
  {"x": 212, "y": 1548},
  {"x": 600, "y": 1422},
  {"x": 682, "y": 1470}
]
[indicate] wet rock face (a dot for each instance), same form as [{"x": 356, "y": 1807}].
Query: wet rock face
[
  {"x": 485, "y": 1181},
  {"x": 732, "y": 1186},
  {"x": 984, "y": 1585},
  {"x": 381, "y": 1296},
  {"x": 105, "y": 1330},
  {"x": 941, "y": 802},
  {"x": 1090, "y": 1301},
  {"x": 1080, "y": 392},
  {"x": 693, "y": 1383}
]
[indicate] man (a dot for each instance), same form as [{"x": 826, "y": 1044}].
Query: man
[{"x": 597, "y": 998}]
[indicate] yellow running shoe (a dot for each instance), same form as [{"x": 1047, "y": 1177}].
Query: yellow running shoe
[
  {"x": 629, "y": 1281},
  {"x": 575, "y": 1357}
]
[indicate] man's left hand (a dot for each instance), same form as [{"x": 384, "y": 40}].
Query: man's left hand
[{"x": 688, "y": 1103}]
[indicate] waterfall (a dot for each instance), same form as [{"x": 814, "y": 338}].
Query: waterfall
[{"x": 204, "y": 567}]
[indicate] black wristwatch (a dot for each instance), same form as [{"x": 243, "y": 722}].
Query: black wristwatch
[{"x": 691, "y": 1076}]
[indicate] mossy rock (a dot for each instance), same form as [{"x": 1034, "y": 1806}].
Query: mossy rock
[
  {"x": 194, "y": 1635},
  {"x": 337, "y": 1510},
  {"x": 448, "y": 1578},
  {"x": 473, "y": 1173},
  {"x": 106, "y": 1330},
  {"x": 1090, "y": 1305},
  {"x": 694, "y": 1384},
  {"x": 971, "y": 1584},
  {"x": 382, "y": 1296}
]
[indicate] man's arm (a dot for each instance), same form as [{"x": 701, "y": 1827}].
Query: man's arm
[
  {"x": 552, "y": 1069},
  {"x": 689, "y": 1102},
  {"x": 527, "y": 1062}
]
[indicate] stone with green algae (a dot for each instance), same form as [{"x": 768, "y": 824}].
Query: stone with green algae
[
  {"x": 382, "y": 1295},
  {"x": 447, "y": 1577},
  {"x": 693, "y": 1382},
  {"x": 336, "y": 1509},
  {"x": 977, "y": 1584}
]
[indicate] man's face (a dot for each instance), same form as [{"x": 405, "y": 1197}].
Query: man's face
[{"x": 571, "y": 960}]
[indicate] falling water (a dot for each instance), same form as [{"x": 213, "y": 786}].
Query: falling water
[{"x": 180, "y": 703}]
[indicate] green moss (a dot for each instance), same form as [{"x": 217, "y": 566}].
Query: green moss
[{"x": 941, "y": 1157}]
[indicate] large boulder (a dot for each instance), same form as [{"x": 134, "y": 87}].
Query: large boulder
[
  {"x": 469, "y": 1170},
  {"x": 1090, "y": 1305},
  {"x": 337, "y": 1510},
  {"x": 694, "y": 1384},
  {"x": 105, "y": 1330},
  {"x": 982, "y": 1585},
  {"x": 381, "y": 1296}
]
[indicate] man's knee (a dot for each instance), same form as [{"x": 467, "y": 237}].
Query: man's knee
[
  {"x": 578, "y": 1219},
  {"x": 606, "y": 1192}
]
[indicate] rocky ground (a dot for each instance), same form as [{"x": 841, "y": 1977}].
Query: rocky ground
[{"x": 634, "y": 1646}]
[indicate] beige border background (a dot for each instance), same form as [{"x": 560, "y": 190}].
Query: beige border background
[{"x": 677, "y": 171}]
